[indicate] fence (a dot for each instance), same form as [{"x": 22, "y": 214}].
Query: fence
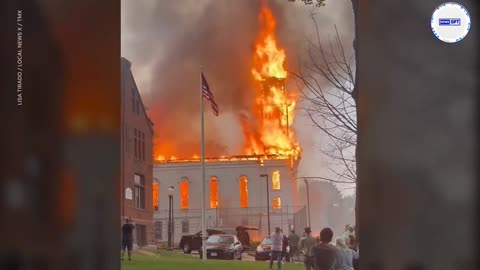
[
  {"x": 190, "y": 221},
  {"x": 300, "y": 219}
]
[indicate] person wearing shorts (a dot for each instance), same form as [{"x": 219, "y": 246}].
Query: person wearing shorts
[{"x": 127, "y": 237}]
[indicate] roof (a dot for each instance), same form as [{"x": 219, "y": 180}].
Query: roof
[{"x": 127, "y": 65}]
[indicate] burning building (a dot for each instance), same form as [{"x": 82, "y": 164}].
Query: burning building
[{"x": 245, "y": 189}]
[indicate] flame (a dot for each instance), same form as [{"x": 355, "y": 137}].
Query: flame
[
  {"x": 273, "y": 108},
  {"x": 267, "y": 129}
]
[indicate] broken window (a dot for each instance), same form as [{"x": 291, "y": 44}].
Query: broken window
[
  {"x": 213, "y": 192},
  {"x": 276, "y": 180},
  {"x": 243, "y": 192},
  {"x": 277, "y": 203},
  {"x": 155, "y": 190},
  {"x": 184, "y": 194}
]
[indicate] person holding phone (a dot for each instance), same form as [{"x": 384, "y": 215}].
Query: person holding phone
[{"x": 127, "y": 237}]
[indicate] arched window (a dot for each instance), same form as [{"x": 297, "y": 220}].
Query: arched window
[
  {"x": 213, "y": 192},
  {"x": 243, "y": 192},
  {"x": 184, "y": 193},
  {"x": 277, "y": 203},
  {"x": 155, "y": 196},
  {"x": 276, "y": 180}
]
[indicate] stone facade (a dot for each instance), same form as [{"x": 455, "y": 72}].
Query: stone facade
[
  {"x": 137, "y": 152},
  {"x": 229, "y": 212}
]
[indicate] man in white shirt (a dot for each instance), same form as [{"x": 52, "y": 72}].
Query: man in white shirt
[{"x": 277, "y": 248}]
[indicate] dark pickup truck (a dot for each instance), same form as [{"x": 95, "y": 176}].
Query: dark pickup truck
[{"x": 189, "y": 243}]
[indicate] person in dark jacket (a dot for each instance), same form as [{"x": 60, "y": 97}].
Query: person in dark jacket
[
  {"x": 293, "y": 241},
  {"x": 306, "y": 246},
  {"x": 127, "y": 237}
]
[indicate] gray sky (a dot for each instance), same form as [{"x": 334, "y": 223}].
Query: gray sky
[{"x": 167, "y": 41}]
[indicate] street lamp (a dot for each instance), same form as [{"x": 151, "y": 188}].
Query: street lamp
[
  {"x": 268, "y": 202},
  {"x": 308, "y": 202},
  {"x": 170, "y": 216}
]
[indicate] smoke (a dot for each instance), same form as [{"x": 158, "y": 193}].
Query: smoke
[{"x": 167, "y": 42}]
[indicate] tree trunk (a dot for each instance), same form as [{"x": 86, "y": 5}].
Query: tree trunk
[{"x": 355, "y": 96}]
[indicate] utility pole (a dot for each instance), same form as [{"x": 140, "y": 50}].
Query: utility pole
[{"x": 308, "y": 202}]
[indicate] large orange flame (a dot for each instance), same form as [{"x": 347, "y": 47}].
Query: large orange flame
[
  {"x": 268, "y": 133},
  {"x": 273, "y": 108}
]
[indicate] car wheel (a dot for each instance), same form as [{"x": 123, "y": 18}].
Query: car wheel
[{"x": 187, "y": 249}]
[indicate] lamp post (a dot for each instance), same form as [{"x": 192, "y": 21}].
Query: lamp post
[
  {"x": 268, "y": 202},
  {"x": 170, "y": 217},
  {"x": 308, "y": 201}
]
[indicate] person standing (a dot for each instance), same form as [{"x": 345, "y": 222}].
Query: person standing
[
  {"x": 324, "y": 253},
  {"x": 284, "y": 246},
  {"x": 353, "y": 246},
  {"x": 277, "y": 248},
  {"x": 306, "y": 244},
  {"x": 345, "y": 256},
  {"x": 293, "y": 240},
  {"x": 349, "y": 230},
  {"x": 127, "y": 237}
]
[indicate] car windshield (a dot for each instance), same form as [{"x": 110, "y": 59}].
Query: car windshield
[
  {"x": 220, "y": 239},
  {"x": 267, "y": 241}
]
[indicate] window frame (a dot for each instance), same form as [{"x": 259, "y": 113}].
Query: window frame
[
  {"x": 184, "y": 202},
  {"x": 276, "y": 181},
  {"x": 135, "y": 145},
  {"x": 185, "y": 224},
  {"x": 139, "y": 192},
  {"x": 241, "y": 179},
  {"x": 213, "y": 179},
  {"x": 276, "y": 203},
  {"x": 158, "y": 226},
  {"x": 155, "y": 191}
]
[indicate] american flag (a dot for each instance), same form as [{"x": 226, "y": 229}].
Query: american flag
[{"x": 207, "y": 94}]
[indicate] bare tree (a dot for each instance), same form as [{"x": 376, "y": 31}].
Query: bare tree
[
  {"x": 327, "y": 80},
  {"x": 354, "y": 93}
]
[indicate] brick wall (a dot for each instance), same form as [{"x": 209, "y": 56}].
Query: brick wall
[{"x": 135, "y": 120}]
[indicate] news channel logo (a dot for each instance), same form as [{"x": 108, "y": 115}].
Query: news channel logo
[{"x": 450, "y": 22}]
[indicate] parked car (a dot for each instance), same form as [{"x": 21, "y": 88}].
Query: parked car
[
  {"x": 223, "y": 246},
  {"x": 241, "y": 232},
  {"x": 189, "y": 243},
  {"x": 264, "y": 250}
]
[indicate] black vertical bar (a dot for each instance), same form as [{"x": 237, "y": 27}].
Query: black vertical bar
[{"x": 268, "y": 205}]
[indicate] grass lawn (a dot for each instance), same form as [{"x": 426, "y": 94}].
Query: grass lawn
[{"x": 173, "y": 261}]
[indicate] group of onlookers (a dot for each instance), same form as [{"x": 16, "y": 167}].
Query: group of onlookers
[{"x": 319, "y": 252}]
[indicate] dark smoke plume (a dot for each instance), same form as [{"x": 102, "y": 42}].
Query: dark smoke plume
[{"x": 174, "y": 38}]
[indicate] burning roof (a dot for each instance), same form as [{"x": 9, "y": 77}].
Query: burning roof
[{"x": 267, "y": 127}]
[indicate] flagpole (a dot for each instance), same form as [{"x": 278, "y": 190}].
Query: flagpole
[{"x": 204, "y": 229}]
